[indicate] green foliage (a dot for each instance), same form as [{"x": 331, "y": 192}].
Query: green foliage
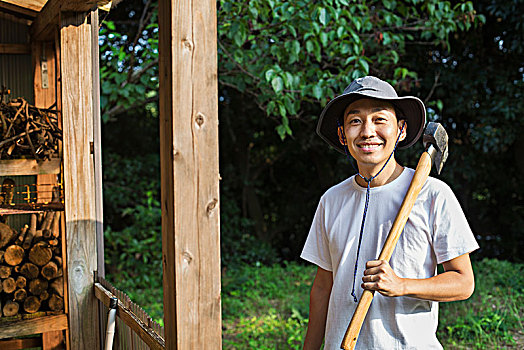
[
  {"x": 493, "y": 316},
  {"x": 265, "y": 307},
  {"x": 129, "y": 69},
  {"x": 237, "y": 243},
  {"x": 287, "y": 55}
]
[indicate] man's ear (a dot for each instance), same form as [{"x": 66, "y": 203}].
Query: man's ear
[
  {"x": 403, "y": 125},
  {"x": 341, "y": 136}
]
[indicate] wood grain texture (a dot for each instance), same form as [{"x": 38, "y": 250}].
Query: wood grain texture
[
  {"x": 34, "y": 5},
  {"x": 189, "y": 171},
  {"x": 33, "y": 326},
  {"x": 47, "y": 20},
  {"x": 79, "y": 186},
  {"x": 12, "y": 167},
  {"x": 419, "y": 178},
  {"x": 129, "y": 317}
]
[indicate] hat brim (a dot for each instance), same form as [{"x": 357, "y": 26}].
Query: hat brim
[{"x": 412, "y": 109}]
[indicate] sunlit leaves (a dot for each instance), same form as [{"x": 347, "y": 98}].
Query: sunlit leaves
[{"x": 305, "y": 52}]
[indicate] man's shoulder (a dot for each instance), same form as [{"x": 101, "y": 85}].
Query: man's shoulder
[{"x": 338, "y": 190}]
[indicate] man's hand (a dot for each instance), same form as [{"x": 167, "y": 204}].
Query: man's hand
[
  {"x": 455, "y": 283},
  {"x": 379, "y": 276}
]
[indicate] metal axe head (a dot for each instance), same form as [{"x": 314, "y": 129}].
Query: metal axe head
[{"x": 435, "y": 135}]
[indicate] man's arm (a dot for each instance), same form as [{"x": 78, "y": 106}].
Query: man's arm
[
  {"x": 318, "y": 307},
  {"x": 455, "y": 283}
]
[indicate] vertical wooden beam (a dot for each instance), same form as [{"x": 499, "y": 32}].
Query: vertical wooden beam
[
  {"x": 189, "y": 171},
  {"x": 79, "y": 185},
  {"x": 45, "y": 97}
]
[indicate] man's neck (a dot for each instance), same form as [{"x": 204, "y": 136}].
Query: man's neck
[{"x": 390, "y": 173}]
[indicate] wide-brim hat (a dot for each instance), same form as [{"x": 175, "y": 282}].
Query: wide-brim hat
[{"x": 410, "y": 108}]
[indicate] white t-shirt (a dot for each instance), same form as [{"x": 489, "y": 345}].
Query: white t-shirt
[{"x": 436, "y": 231}]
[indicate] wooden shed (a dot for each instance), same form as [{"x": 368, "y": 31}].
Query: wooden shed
[{"x": 49, "y": 58}]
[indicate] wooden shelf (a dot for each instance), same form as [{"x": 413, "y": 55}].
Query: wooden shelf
[
  {"x": 33, "y": 326},
  {"x": 13, "y": 167},
  {"x": 27, "y": 208}
]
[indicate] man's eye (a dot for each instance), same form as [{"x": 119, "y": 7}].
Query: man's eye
[{"x": 354, "y": 121}]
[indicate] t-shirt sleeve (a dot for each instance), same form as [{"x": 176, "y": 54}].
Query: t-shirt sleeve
[
  {"x": 452, "y": 236},
  {"x": 316, "y": 248}
]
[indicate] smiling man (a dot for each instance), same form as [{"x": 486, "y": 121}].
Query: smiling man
[{"x": 369, "y": 122}]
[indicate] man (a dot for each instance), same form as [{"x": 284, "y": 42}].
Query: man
[{"x": 369, "y": 121}]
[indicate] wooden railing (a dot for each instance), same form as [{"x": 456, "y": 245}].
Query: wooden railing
[{"x": 135, "y": 329}]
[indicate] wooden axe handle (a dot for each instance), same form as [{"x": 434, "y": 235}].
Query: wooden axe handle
[{"x": 419, "y": 178}]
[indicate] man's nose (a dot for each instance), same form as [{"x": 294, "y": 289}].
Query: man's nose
[{"x": 367, "y": 129}]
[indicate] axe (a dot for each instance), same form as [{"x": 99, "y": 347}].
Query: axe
[{"x": 436, "y": 144}]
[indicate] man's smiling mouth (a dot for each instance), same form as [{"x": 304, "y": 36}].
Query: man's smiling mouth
[{"x": 368, "y": 147}]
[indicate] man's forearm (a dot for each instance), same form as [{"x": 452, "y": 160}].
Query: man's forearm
[
  {"x": 447, "y": 286},
  {"x": 318, "y": 308}
]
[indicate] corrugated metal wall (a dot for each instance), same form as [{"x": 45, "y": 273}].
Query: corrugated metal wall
[{"x": 16, "y": 72}]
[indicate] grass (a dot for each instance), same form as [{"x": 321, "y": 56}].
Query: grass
[{"x": 266, "y": 307}]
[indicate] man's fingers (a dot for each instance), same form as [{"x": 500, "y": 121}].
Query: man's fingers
[{"x": 374, "y": 263}]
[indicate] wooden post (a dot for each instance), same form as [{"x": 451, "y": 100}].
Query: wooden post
[
  {"x": 44, "y": 55},
  {"x": 189, "y": 172},
  {"x": 79, "y": 185}
]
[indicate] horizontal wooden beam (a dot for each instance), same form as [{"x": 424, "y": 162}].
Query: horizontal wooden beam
[
  {"x": 15, "y": 49},
  {"x": 17, "y": 10},
  {"x": 34, "y": 5},
  {"x": 147, "y": 334},
  {"x": 47, "y": 19},
  {"x": 16, "y": 344},
  {"x": 33, "y": 326},
  {"x": 12, "y": 167}
]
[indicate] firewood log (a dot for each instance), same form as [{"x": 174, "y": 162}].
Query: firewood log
[
  {"x": 56, "y": 303},
  {"x": 57, "y": 286},
  {"x": 55, "y": 225},
  {"x": 37, "y": 286},
  {"x": 31, "y": 304},
  {"x": 30, "y": 234},
  {"x": 2, "y": 256},
  {"x": 44, "y": 295},
  {"x": 53, "y": 242},
  {"x": 5, "y": 271},
  {"x": 21, "y": 236},
  {"x": 20, "y": 295},
  {"x": 40, "y": 254},
  {"x": 21, "y": 282},
  {"x": 7, "y": 235},
  {"x": 50, "y": 270},
  {"x": 48, "y": 219},
  {"x": 9, "y": 285},
  {"x": 10, "y": 308},
  {"x": 14, "y": 254},
  {"x": 30, "y": 271}
]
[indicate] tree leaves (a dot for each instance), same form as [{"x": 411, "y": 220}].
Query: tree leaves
[{"x": 301, "y": 46}]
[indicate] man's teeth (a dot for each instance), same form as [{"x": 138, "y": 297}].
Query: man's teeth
[{"x": 369, "y": 147}]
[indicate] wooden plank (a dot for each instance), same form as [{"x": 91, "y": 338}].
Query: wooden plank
[
  {"x": 33, "y": 5},
  {"x": 53, "y": 340},
  {"x": 33, "y": 326},
  {"x": 189, "y": 173},
  {"x": 15, "y": 49},
  {"x": 16, "y": 344},
  {"x": 11, "y": 167},
  {"x": 44, "y": 53},
  {"x": 79, "y": 186},
  {"x": 47, "y": 20},
  {"x": 18, "y": 10},
  {"x": 147, "y": 334}
]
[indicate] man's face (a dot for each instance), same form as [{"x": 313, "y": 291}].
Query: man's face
[{"x": 371, "y": 129}]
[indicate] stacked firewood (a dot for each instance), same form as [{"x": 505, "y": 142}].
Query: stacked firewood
[
  {"x": 31, "y": 271},
  {"x": 28, "y": 131}
]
